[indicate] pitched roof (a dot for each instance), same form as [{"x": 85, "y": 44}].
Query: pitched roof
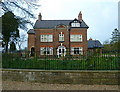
[
  {"x": 94, "y": 44},
  {"x": 53, "y": 23},
  {"x": 31, "y": 31}
]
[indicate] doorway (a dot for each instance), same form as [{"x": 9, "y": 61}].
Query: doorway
[
  {"x": 61, "y": 51},
  {"x": 32, "y": 51}
]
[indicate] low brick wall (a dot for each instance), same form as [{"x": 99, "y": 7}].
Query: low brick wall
[{"x": 62, "y": 76}]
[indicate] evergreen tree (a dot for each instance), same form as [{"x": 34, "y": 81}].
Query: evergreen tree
[
  {"x": 115, "y": 40},
  {"x": 115, "y": 36},
  {"x": 12, "y": 47},
  {"x": 10, "y": 26}
]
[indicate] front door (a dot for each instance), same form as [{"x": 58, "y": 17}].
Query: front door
[
  {"x": 61, "y": 51},
  {"x": 32, "y": 51}
]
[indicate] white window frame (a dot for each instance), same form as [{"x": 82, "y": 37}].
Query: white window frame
[
  {"x": 61, "y": 37},
  {"x": 79, "y": 52},
  {"x": 75, "y": 24},
  {"x": 76, "y": 38},
  {"x": 45, "y": 50},
  {"x": 46, "y": 38}
]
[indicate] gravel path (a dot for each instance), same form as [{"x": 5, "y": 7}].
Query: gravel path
[{"x": 14, "y": 85}]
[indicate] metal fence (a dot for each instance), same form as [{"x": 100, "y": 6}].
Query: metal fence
[{"x": 92, "y": 60}]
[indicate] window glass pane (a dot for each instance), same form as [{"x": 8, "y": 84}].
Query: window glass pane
[
  {"x": 46, "y": 38},
  {"x": 59, "y": 50},
  {"x": 75, "y": 38},
  {"x": 76, "y": 51},
  {"x": 42, "y": 51},
  {"x": 75, "y": 24},
  {"x": 46, "y": 51},
  {"x": 61, "y": 37},
  {"x": 62, "y": 50}
]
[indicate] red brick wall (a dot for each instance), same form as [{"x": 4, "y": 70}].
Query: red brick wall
[
  {"x": 82, "y": 31},
  {"x": 56, "y": 43},
  {"x": 31, "y": 41}
]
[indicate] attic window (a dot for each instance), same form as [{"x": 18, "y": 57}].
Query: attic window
[{"x": 75, "y": 24}]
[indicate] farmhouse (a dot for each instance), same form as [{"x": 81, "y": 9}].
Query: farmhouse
[{"x": 58, "y": 37}]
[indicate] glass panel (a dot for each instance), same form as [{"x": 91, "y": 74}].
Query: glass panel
[
  {"x": 75, "y": 24},
  {"x": 62, "y": 50},
  {"x": 59, "y": 50},
  {"x": 76, "y": 50},
  {"x": 46, "y": 38},
  {"x": 46, "y": 51},
  {"x": 61, "y": 37},
  {"x": 75, "y": 38}
]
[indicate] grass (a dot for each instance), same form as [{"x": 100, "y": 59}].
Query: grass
[{"x": 95, "y": 62}]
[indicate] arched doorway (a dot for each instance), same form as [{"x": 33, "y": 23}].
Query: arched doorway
[
  {"x": 61, "y": 51},
  {"x": 32, "y": 51}
]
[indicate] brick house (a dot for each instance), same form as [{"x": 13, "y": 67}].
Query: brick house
[
  {"x": 58, "y": 37},
  {"x": 95, "y": 46}
]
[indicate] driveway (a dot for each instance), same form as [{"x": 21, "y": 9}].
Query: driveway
[{"x": 15, "y": 85}]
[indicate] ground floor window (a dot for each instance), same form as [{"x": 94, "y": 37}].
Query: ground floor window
[
  {"x": 76, "y": 50},
  {"x": 46, "y": 51},
  {"x": 61, "y": 51}
]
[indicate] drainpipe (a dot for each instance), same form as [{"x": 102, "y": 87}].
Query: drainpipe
[{"x": 69, "y": 39}]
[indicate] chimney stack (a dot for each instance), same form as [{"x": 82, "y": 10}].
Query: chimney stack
[
  {"x": 90, "y": 39},
  {"x": 39, "y": 17},
  {"x": 80, "y": 16}
]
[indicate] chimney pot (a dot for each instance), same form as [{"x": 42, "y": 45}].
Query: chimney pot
[
  {"x": 90, "y": 39},
  {"x": 80, "y": 16},
  {"x": 39, "y": 17}
]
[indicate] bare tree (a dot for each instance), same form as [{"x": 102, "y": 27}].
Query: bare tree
[
  {"x": 23, "y": 9},
  {"x": 20, "y": 41}
]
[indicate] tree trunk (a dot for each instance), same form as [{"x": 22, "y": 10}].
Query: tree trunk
[{"x": 6, "y": 48}]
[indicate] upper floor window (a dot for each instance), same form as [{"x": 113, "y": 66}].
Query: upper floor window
[
  {"x": 46, "y": 38},
  {"x": 75, "y": 38},
  {"x": 75, "y": 23},
  {"x": 61, "y": 37}
]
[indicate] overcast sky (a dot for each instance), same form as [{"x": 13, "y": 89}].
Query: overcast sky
[{"x": 100, "y": 15}]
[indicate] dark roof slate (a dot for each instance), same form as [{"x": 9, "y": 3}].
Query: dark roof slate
[
  {"x": 53, "y": 23},
  {"x": 31, "y": 31},
  {"x": 94, "y": 44}
]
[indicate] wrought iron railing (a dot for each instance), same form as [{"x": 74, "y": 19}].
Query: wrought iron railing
[{"x": 92, "y": 60}]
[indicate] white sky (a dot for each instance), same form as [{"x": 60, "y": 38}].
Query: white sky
[{"x": 100, "y": 15}]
